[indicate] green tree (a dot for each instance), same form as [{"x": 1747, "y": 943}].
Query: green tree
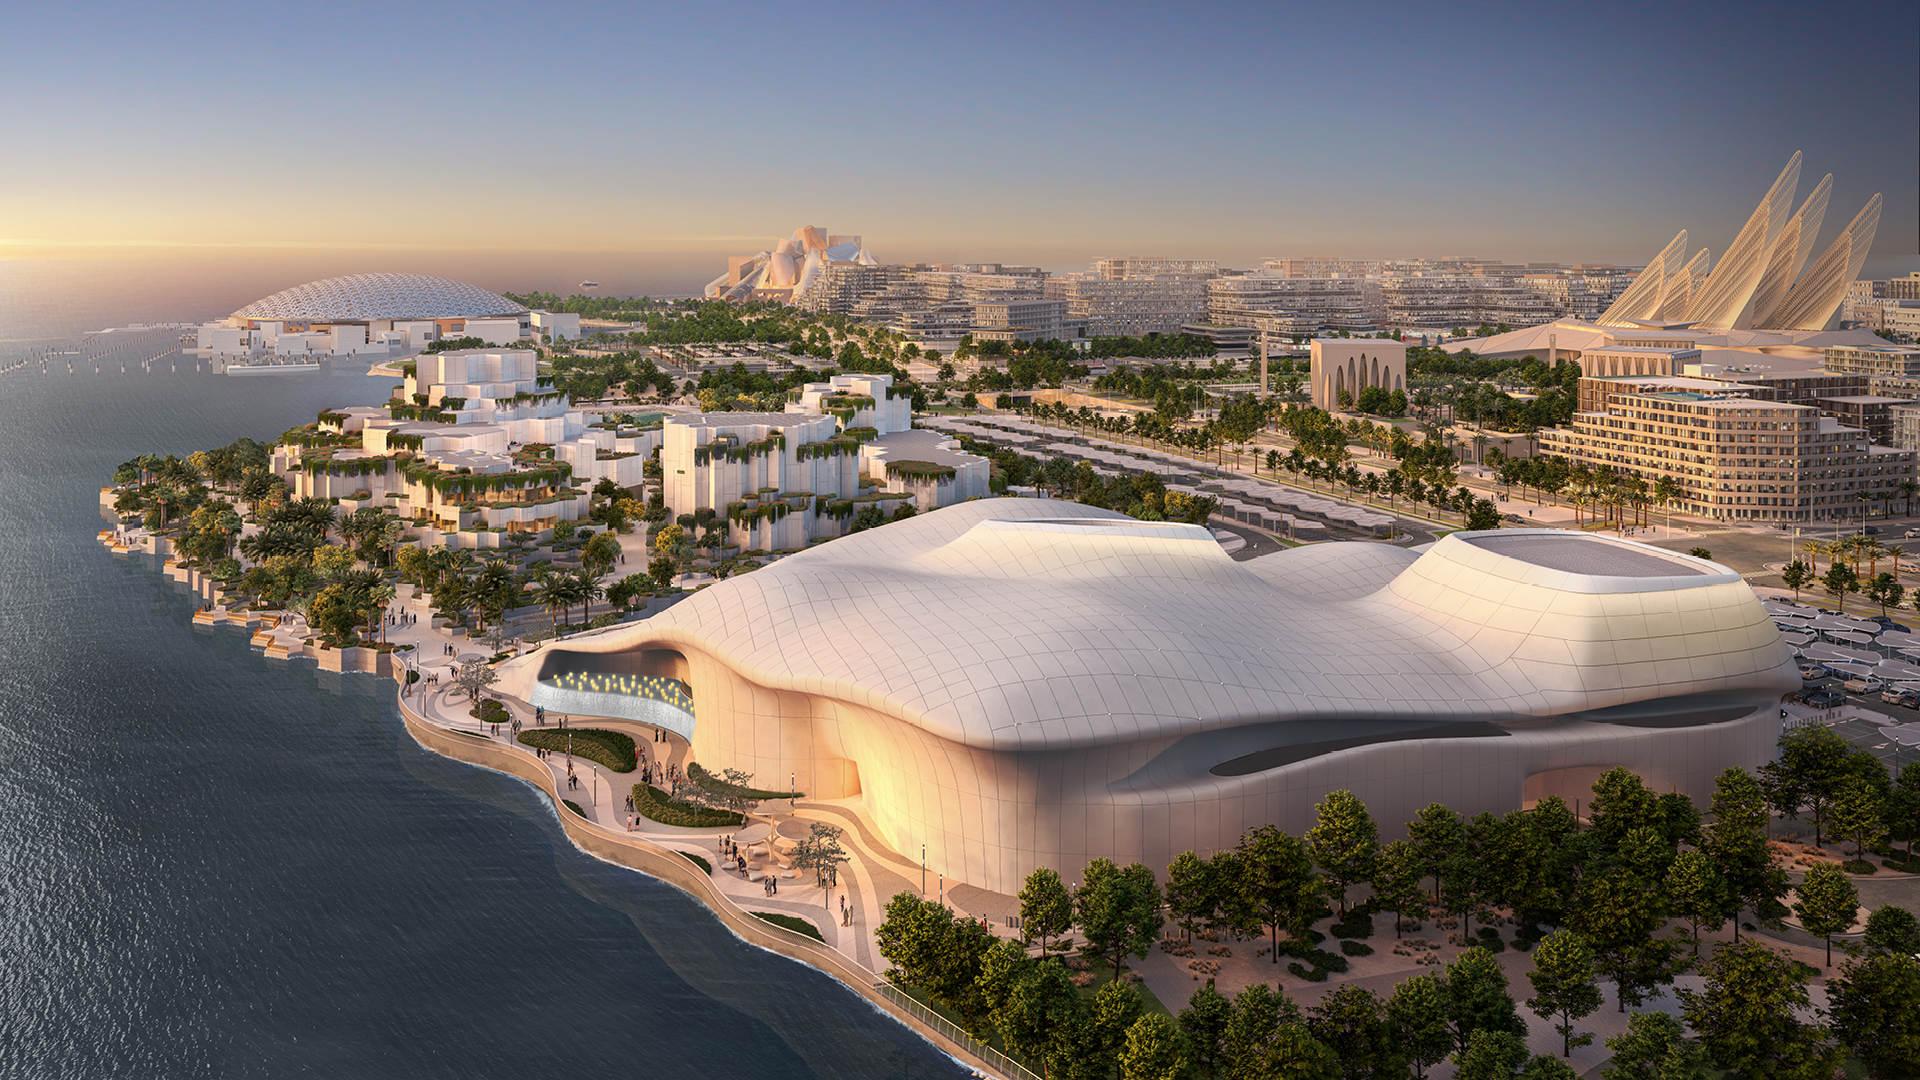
[
  {"x": 1418, "y": 1013},
  {"x": 1697, "y": 893},
  {"x": 1654, "y": 1047},
  {"x": 1748, "y": 1016},
  {"x": 1885, "y": 591},
  {"x": 1345, "y": 843},
  {"x": 1564, "y": 989},
  {"x": 1116, "y": 1006},
  {"x": 1490, "y": 1055},
  {"x": 1350, "y": 1022},
  {"x": 1796, "y": 575},
  {"x": 1277, "y": 885},
  {"x": 1621, "y": 803},
  {"x": 1859, "y": 816},
  {"x": 663, "y": 571},
  {"x": 1839, "y": 580},
  {"x": 1815, "y": 760},
  {"x": 1737, "y": 844},
  {"x": 1205, "y": 1021},
  {"x": 1294, "y": 1054},
  {"x": 1117, "y": 911},
  {"x": 1046, "y": 907},
  {"x": 1257, "y": 1015},
  {"x": 930, "y": 949},
  {"x": 1154, "y": 1050},
  {"x": 1891, "y": 928},
  {"x": 1827, "y": 903},
  {"x": 1396, "y": 882},
  {"x": 1436, "y": 833},
  {"x": 1618, "y": 914},
  {"x": 1476, "y": 998},
  {"x": 1191, "y": 896},
  {"x": 1876, "y": 1011},
  {"x": 1041, "y": 1003},
  {"x": 1547, "y": 1067}
]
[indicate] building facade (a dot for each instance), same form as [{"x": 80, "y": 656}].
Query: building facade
[
  {"x": 1735, "y": 456},
  {"x": 1350, "y": 365}
]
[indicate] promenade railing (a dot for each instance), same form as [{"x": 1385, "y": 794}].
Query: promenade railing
[{"x": 1008, "y": 1067}]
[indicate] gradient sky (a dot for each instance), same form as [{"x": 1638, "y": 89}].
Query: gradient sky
[{"x": 1019, "y": 132}]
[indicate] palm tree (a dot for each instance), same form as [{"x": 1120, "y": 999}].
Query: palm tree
[
  {"x": 586, "y": 589},
  {"x": 1908, "y": 489},
  {"x": 551, "y": 590},
  {"x": 1814, "y": 549}
]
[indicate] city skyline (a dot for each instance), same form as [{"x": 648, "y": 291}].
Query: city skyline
[{"x": 1373, "y": 131}]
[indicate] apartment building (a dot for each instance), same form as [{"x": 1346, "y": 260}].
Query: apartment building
[
  {"x": 1294, "y": 306},
  {"x": 1153, "y": 266},
  {"x": 1736, "y": 457},
  {"x": 1025, "y": 320},
  {"x": 1131, "y": 307},
  {"x": 1878, "y": 361}
]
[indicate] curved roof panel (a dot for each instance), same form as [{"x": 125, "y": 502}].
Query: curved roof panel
[
  {"x": 357, "y": 297},
  {"x": 1021, "y": 624}
]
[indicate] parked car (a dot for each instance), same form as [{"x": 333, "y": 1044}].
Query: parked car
[
  {"x": 1889, "y": 624},
  {"x": 1906, "y": 699},
  {"x": 1863, "y": 684},
  {"x": 1822, "y": 699}
]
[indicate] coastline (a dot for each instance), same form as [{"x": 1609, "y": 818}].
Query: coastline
[
  {"x": 629, "y": 851},
  {"x": 666, "y": 864}
]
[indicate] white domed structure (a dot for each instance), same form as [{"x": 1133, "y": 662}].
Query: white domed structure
[{"x": 380, "y": 297}]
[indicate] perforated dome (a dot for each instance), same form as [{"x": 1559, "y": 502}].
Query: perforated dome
[{"x": 358, "y": 297}]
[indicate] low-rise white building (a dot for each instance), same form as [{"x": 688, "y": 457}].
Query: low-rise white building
[
  {"x": 784, "y": 480},
  {"x": 474, "y": 445}
]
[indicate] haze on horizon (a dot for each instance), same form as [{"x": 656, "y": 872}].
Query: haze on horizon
[{"x": 1039, "y": 133}]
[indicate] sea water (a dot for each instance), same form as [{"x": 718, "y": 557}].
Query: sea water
[{"x": 213, "y": 865}]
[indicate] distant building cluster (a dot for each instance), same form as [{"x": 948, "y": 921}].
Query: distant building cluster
[{"x": 1142, "y": 296}]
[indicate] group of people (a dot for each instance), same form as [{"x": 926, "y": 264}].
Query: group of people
[{"x": 402, "y": 618}]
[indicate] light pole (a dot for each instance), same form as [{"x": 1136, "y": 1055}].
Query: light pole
[{"x": 923, "y": 869}]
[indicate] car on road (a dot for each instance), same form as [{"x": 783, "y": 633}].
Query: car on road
[
  {"x": 1821, "y": 699},
  {"x": 1912, "y": 533}
]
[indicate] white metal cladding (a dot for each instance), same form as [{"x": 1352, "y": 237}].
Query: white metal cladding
[
  {"x": 380, "y": 296},
  {"x": 1025, "y": 682}
]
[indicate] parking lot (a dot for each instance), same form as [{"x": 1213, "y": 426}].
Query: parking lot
[{"x": 1872, "y": 737}]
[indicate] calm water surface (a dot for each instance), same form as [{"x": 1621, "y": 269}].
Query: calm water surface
[{"x": 213, "y": 866}]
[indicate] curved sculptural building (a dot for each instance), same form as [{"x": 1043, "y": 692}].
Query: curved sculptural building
[
  {"x": 360, "y": 313},
  {"x": 1020, "y": 683}
]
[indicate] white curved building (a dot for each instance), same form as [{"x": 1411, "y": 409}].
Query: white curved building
[
  {"x": 361, "y": 313},
  {"x": 1020, "y": 683}
]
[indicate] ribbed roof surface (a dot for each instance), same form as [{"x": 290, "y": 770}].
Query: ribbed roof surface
[{"x": 380, "y": 296}]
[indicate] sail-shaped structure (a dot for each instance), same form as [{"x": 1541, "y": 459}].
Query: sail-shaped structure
[
  {"x": 1680, "y": 286},
  {"x": 1726, "y": 300},
  {"x": 1644, "y": 299},
  {"x": 1790, "y": 251},
  {"x": 1814, "y": 301},
  {"x": 1757, "y": 284}
]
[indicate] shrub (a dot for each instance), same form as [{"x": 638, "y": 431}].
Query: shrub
[
  {"x": 657, "y": 805},
  {"x": 703, "y": 864},
  {"x": 575, "y": 807},
  {"x": 609, "y": 748},
  {"x": 1858, "y": 866},
  {"x": 1356, "y": 925},
  {"x": 791, "y": 922},
  {"x": 489, "y": 712},
  {"x": 1356, "y": 948}
]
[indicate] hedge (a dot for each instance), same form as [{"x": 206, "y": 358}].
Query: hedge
[
  {"x": 574, "y": 806},
  {"x": 700, "y": 862},
  {"x": 713, "y": 783},
  {"x": 791, "y": 922},
  {"x": 609, "y": 748},
  {"x": 657, "y": 805}
]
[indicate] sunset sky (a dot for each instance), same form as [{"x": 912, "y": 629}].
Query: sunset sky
[{"x": 1021, "y": 132}]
